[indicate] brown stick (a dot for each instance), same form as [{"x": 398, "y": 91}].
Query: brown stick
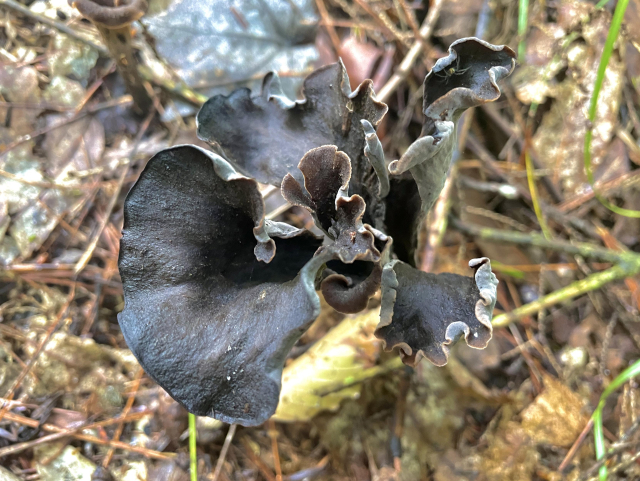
[
  {"x": 416, "y": 49},
  {"x": 118, "y": 41}
]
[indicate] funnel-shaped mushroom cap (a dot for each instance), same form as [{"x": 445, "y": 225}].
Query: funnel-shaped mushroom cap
[
  {"x": 467, "y": 77},
  {"x": 207, "y": 320}
]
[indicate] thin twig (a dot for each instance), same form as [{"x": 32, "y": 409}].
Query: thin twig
[
  {"x": 124, "y": 100},
  {"x": 273, "y": 434},
  {"x": 537, "y": 240},
  {"x": 86, "y": 256},
  {"x": 591, "y": 283},
  {"x": 324, "y": 14},
  {"x": 416, "y": 49},
  {"x": 125, "y": 412},
  {"x": 223, "y": 452},
  {"x": 12, "y": 4},
  {"x": 576, "y": 445},
  {"x": 59, "y": 433},
  {"x": 54, "y": 326}
]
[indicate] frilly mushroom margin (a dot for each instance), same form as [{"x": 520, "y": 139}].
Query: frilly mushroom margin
[{"x": 215, "y": 295}]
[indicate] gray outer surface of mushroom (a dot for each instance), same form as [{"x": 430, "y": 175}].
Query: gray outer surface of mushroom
[
  {"x": 209, "y": 322},
  {"x": 478, "y": 66},
  {"x": 326, "y": 172},
  {"x": 267, "y": 134},
  {"x": 423, "y": 313}
]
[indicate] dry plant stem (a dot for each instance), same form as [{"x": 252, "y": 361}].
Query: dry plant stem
[
  {"x": 173, "y": 87},
  {"x": 125, "y": 412},
  {"x": 492, "y": 112},
  {"x": 59, "y": 433},
  {"x": 256, "y": 460},
  {"x": 12, "y": 4},
  {"x": 54, "y": 326},
  {"x": 437, "y": 226},
  {"x": 328, "y": 22},
  {"x": 223, "y": 452},
  {"x": 273, "y": 434},
  {"x": 555, "y": 213},
  {"x": 118, "y": 41},
  {"x": 576, "y": 445},
  {"x": 411, "y": 19},
  {"x": 125, "y": 99},
  {"x": 383, "y": 21},
  {"x": 591, "y": 283},
  {"x": 86, "y": 256},
  {"x": 416, "y": 49},
  {"x": 537, "y": 240}
]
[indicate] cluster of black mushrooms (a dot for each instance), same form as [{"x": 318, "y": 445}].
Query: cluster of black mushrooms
[{"x": 216, "y": 295}]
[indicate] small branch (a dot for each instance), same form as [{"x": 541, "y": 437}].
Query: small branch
[
  {"x": 537, "y": 240},
  {"x": 575, "y": 289},
  {"x": 416, "y": 49},
  {"x": 223, "y": 452}
]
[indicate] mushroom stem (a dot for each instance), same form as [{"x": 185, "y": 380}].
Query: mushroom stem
[{"x": 118, "y": 42}]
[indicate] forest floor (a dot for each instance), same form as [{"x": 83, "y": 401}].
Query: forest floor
[{"x": 75, "y": 404}]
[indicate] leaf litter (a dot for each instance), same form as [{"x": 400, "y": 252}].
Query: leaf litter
[{"x": 512, "y": 411}]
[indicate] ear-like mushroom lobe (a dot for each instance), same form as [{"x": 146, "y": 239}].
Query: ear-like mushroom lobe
[
  {"x": 467, "y": 77},
  {"x": 326, "y": 173},
  {"x": 266, "y": 135},
  {"x": 423, "y": 313},
  {"x": 207, "y": 320}
]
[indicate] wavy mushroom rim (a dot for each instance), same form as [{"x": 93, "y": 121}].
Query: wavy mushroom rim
[
  {"x": 434, "y": 110},
  {"x": 348, "y": 210},
  {"x": 272, "y": 89},
  {"x": 486, "y": 283},
  {"x": 328, "y": 106},
  {"x": 179, "y": 317}
]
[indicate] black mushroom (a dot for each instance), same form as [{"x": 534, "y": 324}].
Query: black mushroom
[{"x": 216, "y": 296}]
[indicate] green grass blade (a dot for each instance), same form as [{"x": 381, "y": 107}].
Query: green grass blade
[
  {"x": 533, "y": 190},
  {"x": 523, "y": 17},
  {"x": 612, "y": 36},
  {"x": 598, "y": 430},
  {"x": 193, "y": 456}
]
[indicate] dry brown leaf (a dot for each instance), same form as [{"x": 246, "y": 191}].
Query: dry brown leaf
[{"x": 556, "y": 417}]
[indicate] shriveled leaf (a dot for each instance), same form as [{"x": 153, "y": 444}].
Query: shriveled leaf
[
  {"x": 71, "y": 57},
  {"x": 316, "y": 381},
  {"x": 557, "y": 416},
  {"x": 559, "y": 140}
]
